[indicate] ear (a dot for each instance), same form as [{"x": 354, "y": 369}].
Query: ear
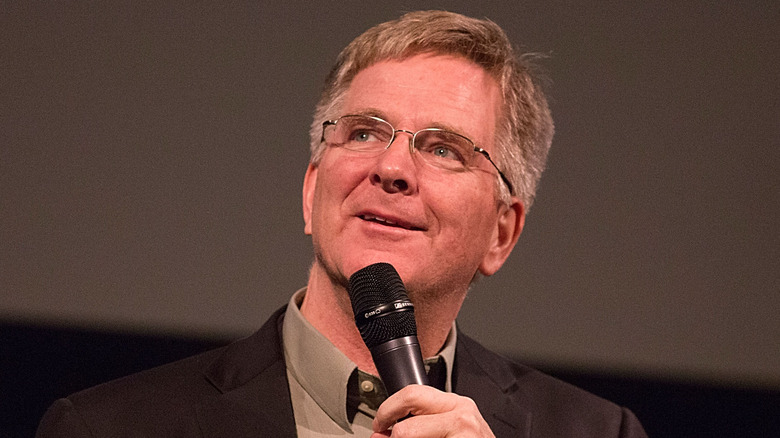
[
  {"x": 309, "y": 184},
  {"x": 511, "y": 219}
]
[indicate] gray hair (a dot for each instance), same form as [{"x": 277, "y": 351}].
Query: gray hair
[{"x": 525, "y": 130}]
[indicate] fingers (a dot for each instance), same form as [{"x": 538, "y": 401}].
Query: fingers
[
  {"x": 434, "y": 414},
  {"x": 412, "y": 400}
]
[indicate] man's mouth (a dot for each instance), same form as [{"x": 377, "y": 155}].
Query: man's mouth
[{"x": 388, "y": 222}]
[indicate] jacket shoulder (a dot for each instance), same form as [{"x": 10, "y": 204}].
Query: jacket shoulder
[
  {"x": 166, "y": 400},
  {"x": 147, "y": 400},
  {"x": 552, "y": 406}
]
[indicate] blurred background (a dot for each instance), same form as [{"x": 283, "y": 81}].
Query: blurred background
[{"x": 151, "y": 164}]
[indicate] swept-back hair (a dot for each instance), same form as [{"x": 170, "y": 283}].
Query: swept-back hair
[{"x": 525, "y": 130}]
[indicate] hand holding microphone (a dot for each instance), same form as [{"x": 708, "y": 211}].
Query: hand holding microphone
[{"x": 385, "y": 317}]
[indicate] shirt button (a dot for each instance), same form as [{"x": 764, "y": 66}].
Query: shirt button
[{"x": 367, "y": 386}]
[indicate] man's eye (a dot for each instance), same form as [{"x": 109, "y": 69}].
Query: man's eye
[
  {"x": 362, "y": 136},
  {"x": 444, "y": 152},
  {"x": 367, "y": 135}
]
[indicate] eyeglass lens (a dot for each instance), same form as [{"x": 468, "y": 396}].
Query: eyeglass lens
[{"x": 441, "y": 148}]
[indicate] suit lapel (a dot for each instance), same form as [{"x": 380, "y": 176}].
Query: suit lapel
[
  {"x": 480, "y": 375},
  {"x": 254, "y": 397}
]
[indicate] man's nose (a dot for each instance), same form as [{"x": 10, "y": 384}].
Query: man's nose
[{"x": 395, "y": 169}]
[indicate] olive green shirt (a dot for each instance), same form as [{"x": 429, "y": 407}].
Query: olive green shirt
[{"x": 330, "y": 396}]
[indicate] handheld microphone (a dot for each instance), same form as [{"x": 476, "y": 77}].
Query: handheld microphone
[{"x": 385, "y": 317}]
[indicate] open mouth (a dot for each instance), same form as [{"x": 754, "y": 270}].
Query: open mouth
[{"x": 388, "y": 222}]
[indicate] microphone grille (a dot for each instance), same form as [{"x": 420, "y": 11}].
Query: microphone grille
[{"x": 372, "y": 287}]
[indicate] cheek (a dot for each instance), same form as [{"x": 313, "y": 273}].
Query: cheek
[
  {"x": 463, "y": 199},
  {"x": 336, "y": 180},
  {"x": 474, "y": 216},
  {"x": 342, "y": 169}
]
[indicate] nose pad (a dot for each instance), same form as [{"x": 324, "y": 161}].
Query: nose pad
[{"x": 411, "y": 140}]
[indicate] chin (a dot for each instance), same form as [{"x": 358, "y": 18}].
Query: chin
[{"x": 402, "y": 264}]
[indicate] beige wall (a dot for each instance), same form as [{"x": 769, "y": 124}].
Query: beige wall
[{"x": 151, "y": 159}]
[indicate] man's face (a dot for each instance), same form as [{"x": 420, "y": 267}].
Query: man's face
[{"x": 437, "y": 227}]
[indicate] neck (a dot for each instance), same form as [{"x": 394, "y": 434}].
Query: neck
[{"x": 327, "y": 307}]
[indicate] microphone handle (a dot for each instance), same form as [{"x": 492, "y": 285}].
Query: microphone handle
[{"x": 399, "y": 363}]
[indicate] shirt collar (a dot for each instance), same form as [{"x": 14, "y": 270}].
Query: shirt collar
[{"x": 330, "y": 377}]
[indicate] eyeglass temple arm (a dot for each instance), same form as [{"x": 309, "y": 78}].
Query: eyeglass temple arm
[
  {"x": 325, "y": 124},
  {"x": 500, "y": 173}
]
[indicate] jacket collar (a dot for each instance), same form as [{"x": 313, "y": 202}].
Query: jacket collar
[
  {"x": 254, "y": 397},
  {"x": 486, "y": 379}
]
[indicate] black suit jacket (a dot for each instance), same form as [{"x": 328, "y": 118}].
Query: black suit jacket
[{"x": 241, "y": 391}]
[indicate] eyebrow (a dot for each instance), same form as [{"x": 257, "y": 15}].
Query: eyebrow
[{"x": 372, "y": 112}]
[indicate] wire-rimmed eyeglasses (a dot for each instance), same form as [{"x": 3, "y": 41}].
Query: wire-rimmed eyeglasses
[{"x": 438, "y": 147}]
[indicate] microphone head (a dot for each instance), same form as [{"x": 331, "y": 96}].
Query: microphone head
[{"x": 375, "y": 287}]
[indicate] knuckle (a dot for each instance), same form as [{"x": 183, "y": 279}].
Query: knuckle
[
  {"x": 466, "y": 422},
  {"x": 402, "y": 430},
  {"x": 470, "y": 403},
  {"x": 468, "y": 416},
  {"x": 411, "y": 394}
]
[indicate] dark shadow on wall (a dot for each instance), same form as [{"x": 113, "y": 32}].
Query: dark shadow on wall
[{"x": 40, "y": 364}]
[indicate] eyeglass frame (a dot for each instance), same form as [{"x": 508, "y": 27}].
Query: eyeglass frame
[{"x": 477, "y": 149}]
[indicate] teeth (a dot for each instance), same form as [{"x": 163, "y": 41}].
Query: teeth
[{"x": 378, "y": 219}]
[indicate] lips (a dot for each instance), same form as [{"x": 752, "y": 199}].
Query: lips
[{"x": 391, "y": 222}]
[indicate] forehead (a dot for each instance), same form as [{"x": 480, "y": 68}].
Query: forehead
[{"x": 426, "y": 91}]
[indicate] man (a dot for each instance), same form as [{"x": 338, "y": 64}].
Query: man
[{"x": 427, "y": 146}]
